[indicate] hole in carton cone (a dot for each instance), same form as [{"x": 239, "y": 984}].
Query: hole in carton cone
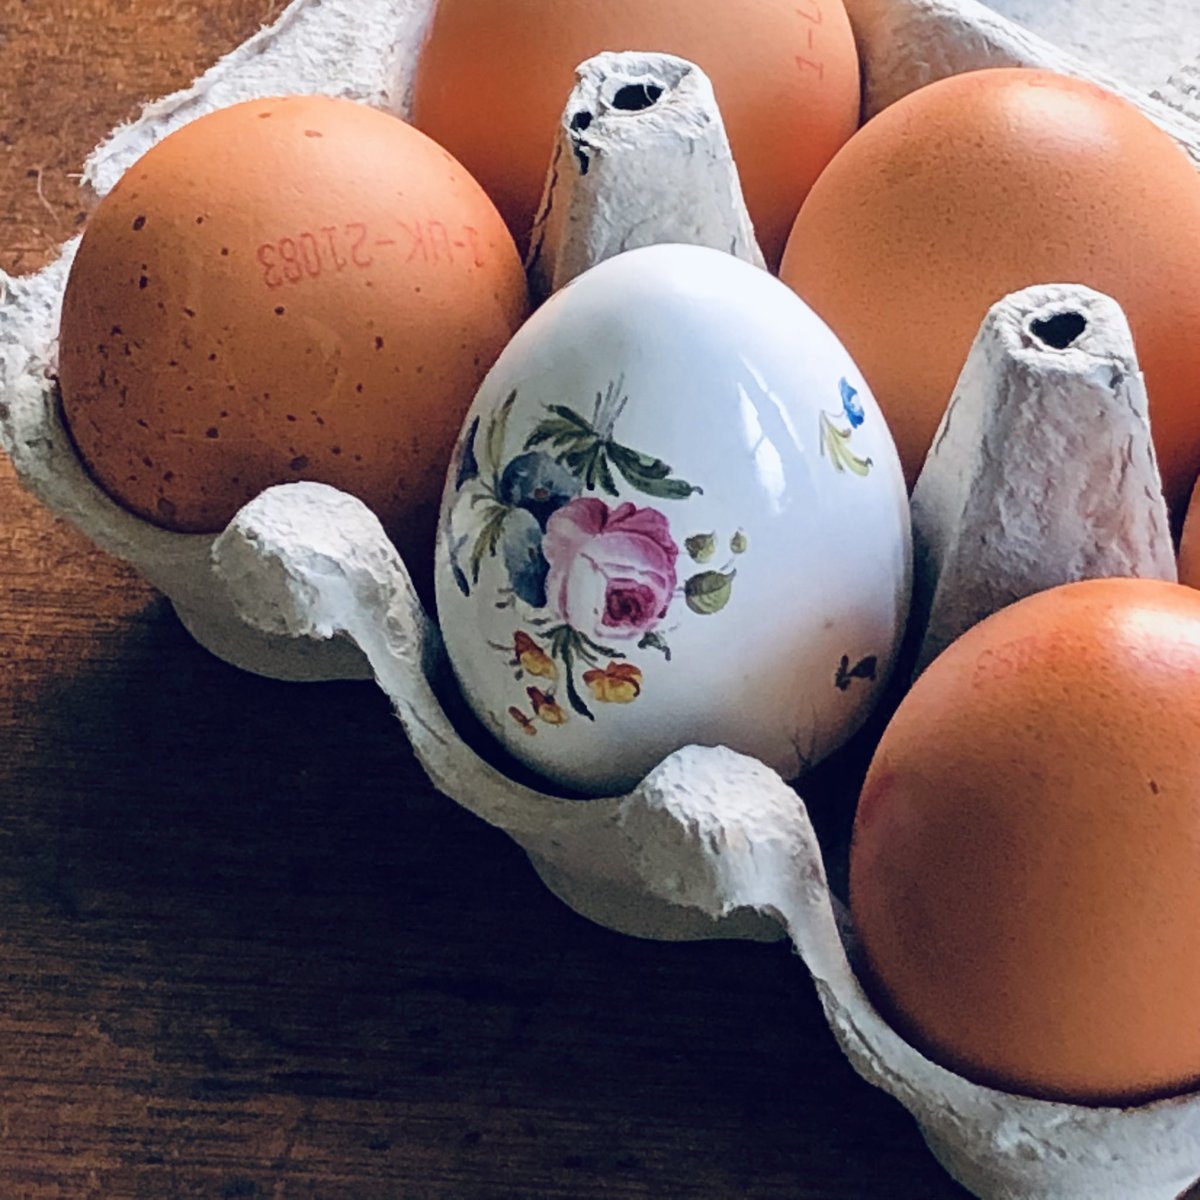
[
  {"x": 579, "y": 122},
  {"x": 635, "y": 97},
  {"x": 1060, "y": 331}
]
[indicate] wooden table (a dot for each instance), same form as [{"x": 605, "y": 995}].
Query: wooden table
[{"x": 246, "y": 951}]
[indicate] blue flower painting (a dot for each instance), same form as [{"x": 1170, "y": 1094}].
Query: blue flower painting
[
  {"x": 527, "y": 567},
  {"x": 537, "y": 483},
  {"x": 851, "y": 404}
]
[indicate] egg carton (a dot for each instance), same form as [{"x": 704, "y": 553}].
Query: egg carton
[{"x": 305, "y": 585}]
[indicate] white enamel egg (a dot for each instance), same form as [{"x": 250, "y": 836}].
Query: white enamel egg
[{"x": 675, "y": 516}]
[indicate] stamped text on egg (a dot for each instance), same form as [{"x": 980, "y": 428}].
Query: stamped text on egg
[{"x": 307, "y": 255}]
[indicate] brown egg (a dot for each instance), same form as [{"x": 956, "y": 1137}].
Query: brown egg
[
  {"x": 985, "y": 183},
  {"x": 300, "y": 288},
  {"x": 495, "y": 75},
  {"x": 1025, "y": 869},
  {"x": 1189, "y": 544}
]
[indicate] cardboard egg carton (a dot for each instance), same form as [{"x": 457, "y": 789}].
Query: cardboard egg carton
[{"x": 304, "y": 584}]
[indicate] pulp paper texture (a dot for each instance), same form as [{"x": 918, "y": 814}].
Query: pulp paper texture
[
  {"x": 1043, "y": 471},
  {"x": 606, "y": 178},
  {"x": 1142, "y": 41}
]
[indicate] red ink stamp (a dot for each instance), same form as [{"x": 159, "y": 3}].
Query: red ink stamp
[{"x": 295, "y": 258}]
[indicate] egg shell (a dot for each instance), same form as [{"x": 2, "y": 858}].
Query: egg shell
[
  {"x": 1189, "y": 543},
  {"x": 1025, "y": 872},
  {"x": 675, "y": 516},
  {"x": 980, "y": 185},
  {"x": 298, "y": 288},
  {"x": 494, "y": 73}
]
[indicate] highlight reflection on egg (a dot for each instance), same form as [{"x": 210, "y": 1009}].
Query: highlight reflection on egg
[{"x": 675, "y": 515}]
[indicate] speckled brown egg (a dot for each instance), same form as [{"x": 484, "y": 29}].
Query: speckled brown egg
[{"x": 286, "y": 289}]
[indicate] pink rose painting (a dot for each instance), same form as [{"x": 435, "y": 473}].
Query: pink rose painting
[
  {"x": 590, "y": 580},
  {"x": 612, "y": 570}
]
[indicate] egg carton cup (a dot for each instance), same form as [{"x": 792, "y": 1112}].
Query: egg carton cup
[
  {"x": 614, "y": 182},
  {"x": 711, "y": 843},
  {"x": 368, "y": 50}
]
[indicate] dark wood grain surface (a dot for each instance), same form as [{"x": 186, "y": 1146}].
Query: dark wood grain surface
[{"x": 246, "y": 951}]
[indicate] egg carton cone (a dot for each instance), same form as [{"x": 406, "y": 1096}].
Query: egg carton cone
[
  {"x": 1042, "y": 471},
  {"x": 368, "y": 50},
  {"x": 617, "y": 172},
  {"x": 710, "y": 843}
]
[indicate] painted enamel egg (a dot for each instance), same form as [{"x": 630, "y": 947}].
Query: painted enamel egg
[{"x": 675, "y": 516}]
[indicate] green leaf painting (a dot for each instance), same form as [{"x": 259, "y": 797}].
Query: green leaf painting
[
  {"x": 835, "y": 442},
  {"x": 496, "y": 434},
  {"x": 488, "y": 539},
  {"x": 701, "y": 547},
  {"x": 709, "y": 592},
  {"x": 589, "y": 450},
  {"x": 655, "y": 641}
]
